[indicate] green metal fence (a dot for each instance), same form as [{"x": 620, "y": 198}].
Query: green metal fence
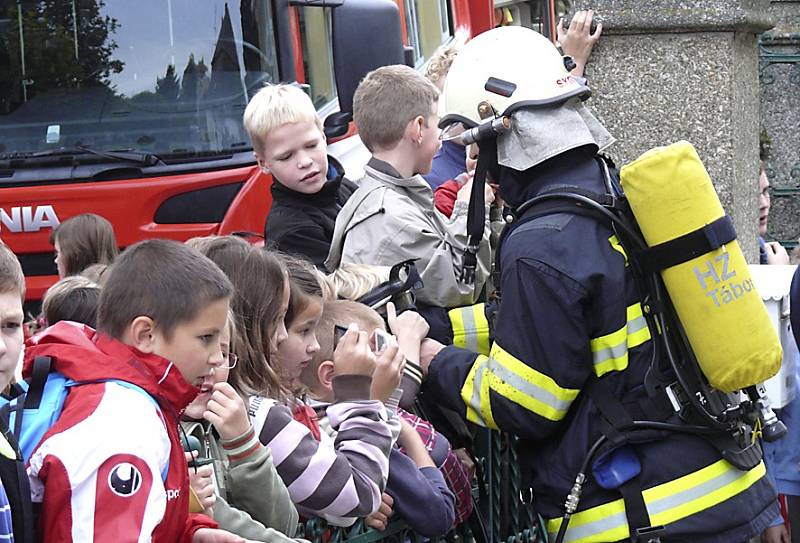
[
  {"x": 500, "y": 514},
  {"x": 779, "y": 76}
]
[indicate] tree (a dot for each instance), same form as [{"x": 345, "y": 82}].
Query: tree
[
  {"x": 54, "y": 59},
  {"x": 194, "y": 81},
  {"x": 167, "y": 87}
]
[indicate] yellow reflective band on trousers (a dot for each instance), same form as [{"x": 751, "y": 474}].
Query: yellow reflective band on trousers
[
  {"x": 610, "y": 352},
  {"x": 515, "y": 381},
  {"x": 666, "y": 503},
  {"x": 470, "y": 328}
]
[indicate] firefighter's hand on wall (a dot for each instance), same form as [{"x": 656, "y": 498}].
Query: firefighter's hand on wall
[
  {"x": 427, "y": 352},
  {"x": 578, "y": 40}
]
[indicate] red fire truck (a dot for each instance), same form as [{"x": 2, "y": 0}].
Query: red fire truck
[{"x": 132, "y": 110}]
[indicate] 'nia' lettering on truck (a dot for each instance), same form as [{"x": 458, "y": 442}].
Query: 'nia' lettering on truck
[{"x": 28, "y": 218}]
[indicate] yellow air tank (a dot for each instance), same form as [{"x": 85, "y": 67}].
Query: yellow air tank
[{"x": 727, "y": 325}]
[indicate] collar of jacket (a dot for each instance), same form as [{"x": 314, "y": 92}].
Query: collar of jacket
[
  {"x": 415, "y": 187},
  {"x": 81, "y": 354},
  {"x": 576, "y": 167},
  {"x": 326, "y": 196},
  {"x": 379, "y": 176}
]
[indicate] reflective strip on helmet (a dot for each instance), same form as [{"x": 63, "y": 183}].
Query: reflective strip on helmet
[
  {"x": 610, "y": 352},
  {"x": 470, "y": 328},
  {"x": 617, "y": 246},
  {"x": 666, "y": 503}
]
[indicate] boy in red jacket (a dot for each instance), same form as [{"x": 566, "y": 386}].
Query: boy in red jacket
[{"x": 112, "y": 467}]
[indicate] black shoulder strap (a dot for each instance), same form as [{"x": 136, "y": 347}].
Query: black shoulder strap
[
  {"x": 684, "y": 248},
  {"x": 41, "y": 369},
  {"x": 17, "y": 487}
]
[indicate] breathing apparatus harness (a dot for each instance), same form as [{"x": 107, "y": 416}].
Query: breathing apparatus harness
[{"x": 679, "y": 398}]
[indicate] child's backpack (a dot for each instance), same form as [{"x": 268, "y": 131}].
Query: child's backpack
[{"x": 30, "y": 414}]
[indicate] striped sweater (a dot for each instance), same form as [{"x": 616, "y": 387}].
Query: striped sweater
[{"x": 337, "y": 481}]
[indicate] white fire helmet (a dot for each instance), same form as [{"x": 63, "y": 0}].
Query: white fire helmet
[{"x": 503, "y": 70}]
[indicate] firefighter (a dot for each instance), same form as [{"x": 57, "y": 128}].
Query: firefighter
[{"x": 571, "y": 348}]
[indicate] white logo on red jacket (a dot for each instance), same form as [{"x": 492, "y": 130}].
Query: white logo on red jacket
[{"x": 125, "y": 479}]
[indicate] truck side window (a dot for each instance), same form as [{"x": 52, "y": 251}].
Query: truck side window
[
  {"x": 428, "y": 26},
  {"x": 315, "y": 33}
]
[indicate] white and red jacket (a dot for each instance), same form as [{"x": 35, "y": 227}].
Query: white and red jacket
[{"x": 98, "y": 471}]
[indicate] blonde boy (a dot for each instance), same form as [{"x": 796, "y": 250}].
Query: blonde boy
[
  {"x": 391, "y": 217},
  {"x": 308, "y": 187}
]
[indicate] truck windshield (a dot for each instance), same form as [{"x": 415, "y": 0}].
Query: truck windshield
[{"x": 156, "y": 76}]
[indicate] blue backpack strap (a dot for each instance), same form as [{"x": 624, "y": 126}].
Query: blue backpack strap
[{"x": 41, "y": 405}]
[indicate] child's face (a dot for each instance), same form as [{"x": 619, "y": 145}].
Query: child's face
[
  {"x": 59, "y": 260},
  {"x": 429, "y": 145},
  {"x": 279, "y": 333},
  {"x": 295, "y": 353},
  {"x": 11, "y": 335},
  {"x": 763, "y": 202},
  {"x": 297, "y": 156},
  {"x": 194, "y": 345},
  {"x": 219, "y": 375}
]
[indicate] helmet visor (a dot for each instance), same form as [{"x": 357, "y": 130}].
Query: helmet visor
[{"x": 452, "y": 131}]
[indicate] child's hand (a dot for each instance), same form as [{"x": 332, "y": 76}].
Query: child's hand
[
  {"x": 210, "y": 535},
  {"x": 388, "y": 370},
  {"x": 201, "y": 482},
  {"x": 353, "y": 355},
  {"x": 776, "y": 254},
  {"x": 427, "y": 351},
  {"x": 227, "y": 412},
  {"x": 776, "y": 534},
  {"x": 465, "y": 192},
  {"x": 380, "y": 518},
  {"x": 410, "y": 440},
  {"x": 409, "y": 325},
  {"x": 578, "y": 40},
  {"x": 406, "y": 432}
]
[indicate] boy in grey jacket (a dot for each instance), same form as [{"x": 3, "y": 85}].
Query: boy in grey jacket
[{"x": 391, "y": 217}]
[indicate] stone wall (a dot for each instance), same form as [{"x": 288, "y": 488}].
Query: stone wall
[
  {"x": 674, "y": 70},
  {"x": 780, "y": 117}
]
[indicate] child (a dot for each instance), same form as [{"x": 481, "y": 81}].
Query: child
[
  {"x": 419, "y": 493},
  {"x": 82, "y": 241},
  {"x": 309, "y": 187},
  {"x": 337, "y": 483},
  {"x": 112, "y": 467},
  {"x": 73, "y": 298},
  {"x": 16, "y": 515},
  {"x": 302, "y": 314},
  {"x": 240, "y": 488},
  {"x": 391, "y": 217}
]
